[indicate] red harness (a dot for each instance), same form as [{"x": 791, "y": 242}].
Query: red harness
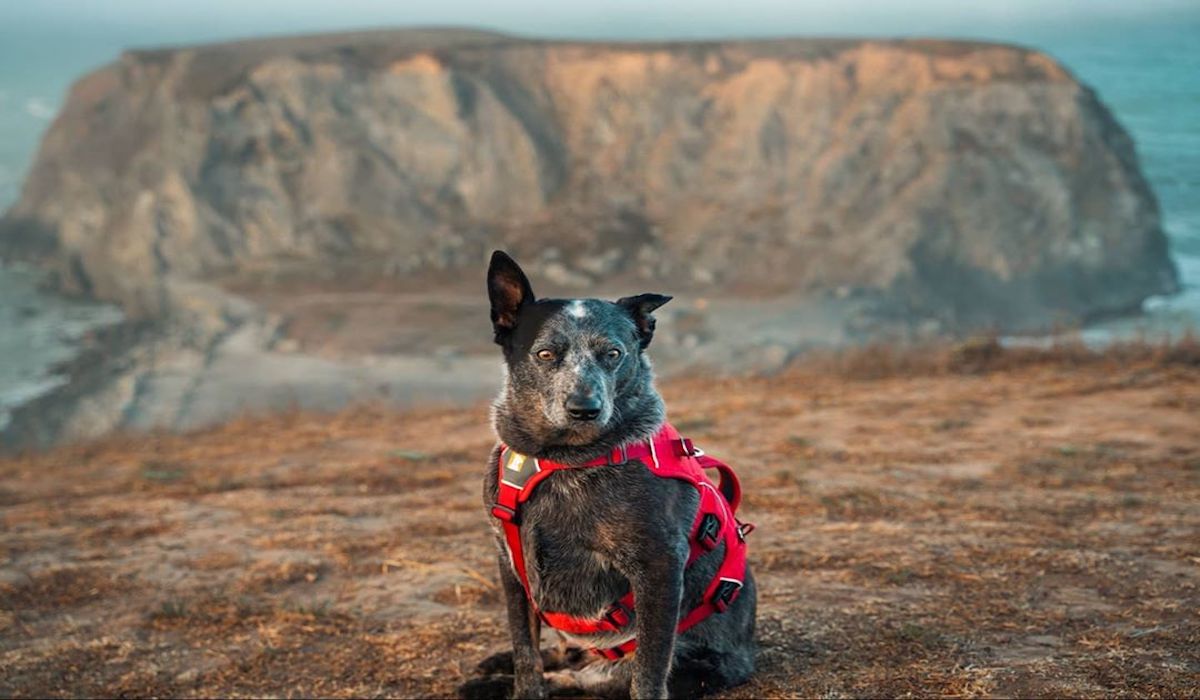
[{"x": 666, "y": 455}]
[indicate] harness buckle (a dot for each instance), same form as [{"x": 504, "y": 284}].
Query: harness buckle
[
  {"x": 744, "y": 529},
  {"x": 687, "y": 448},
  {"x": 617, "y": 615},
  {"x": 506, "y": 514},
  {"x": 709, "y": 532},
  {"x": 624, "y": 455},
  {"x": 727, "y": 592}
]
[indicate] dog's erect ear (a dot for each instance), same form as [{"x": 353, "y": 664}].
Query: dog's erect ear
[
  {"x": 508, "y": 290},
  {"x": 640, "y": 307}
]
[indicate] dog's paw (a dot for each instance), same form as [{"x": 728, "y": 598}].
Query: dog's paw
[
  {"x": 552, "y": 659},
  {"x": 533, "y": 692},
  {"x": 569, "y": 657},
  {"x": 490, "y": 688},
  {"x": 501, "y": 662}
]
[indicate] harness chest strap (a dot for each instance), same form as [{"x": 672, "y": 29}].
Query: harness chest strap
[{"x": 666, "y": 455}]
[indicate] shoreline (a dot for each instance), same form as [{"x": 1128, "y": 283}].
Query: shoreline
[
  {"x": 45, "y": 332},
  {"x": 219, "y": 356}
]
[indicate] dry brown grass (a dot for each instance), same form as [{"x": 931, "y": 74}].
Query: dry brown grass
[
  {"x": 950, "y": 521},
  {"x": 985, "y": 353}
]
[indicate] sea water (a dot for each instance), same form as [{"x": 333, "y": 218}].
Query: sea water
[
  {"x": 37, "y": 332},
  {"x": 1149, "y": 76}
]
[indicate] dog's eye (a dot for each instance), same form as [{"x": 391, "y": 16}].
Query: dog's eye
[
  {"x": 614, "y": 353},
  {"x": 545, "y": 355}
]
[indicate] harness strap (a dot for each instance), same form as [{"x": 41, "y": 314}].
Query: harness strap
[
  {"x": 507, "y": 510},
  {"x": 722, "y": 591},
  {"x": 708, "y": 530},
  {"x": 613, "y": 620}
]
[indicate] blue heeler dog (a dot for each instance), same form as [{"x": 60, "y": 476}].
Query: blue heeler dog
[{"x": 579, "y": 389}]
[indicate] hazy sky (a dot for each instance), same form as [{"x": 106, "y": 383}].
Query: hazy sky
[{"x": 175, "y": 21}]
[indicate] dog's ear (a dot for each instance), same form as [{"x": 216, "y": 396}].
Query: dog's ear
[
  {"x": 508, "y": 290},
  {"x": 640, "y": 307}
]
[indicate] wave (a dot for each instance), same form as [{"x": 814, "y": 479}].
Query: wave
[{"x": 38, "y": 332}]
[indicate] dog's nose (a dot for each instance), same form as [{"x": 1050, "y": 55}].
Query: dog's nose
[{"x": 583, "y": 407}]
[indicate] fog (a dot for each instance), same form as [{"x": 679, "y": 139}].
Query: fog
[{"x": 147, "y": 20}]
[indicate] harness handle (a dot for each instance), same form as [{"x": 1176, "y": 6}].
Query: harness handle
[{"x": 730, "y": 488}]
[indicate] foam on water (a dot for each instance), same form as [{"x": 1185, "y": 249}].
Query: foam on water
[
  {"x": 1149, "y": 76},
  {"x": 37, "y": 332}
]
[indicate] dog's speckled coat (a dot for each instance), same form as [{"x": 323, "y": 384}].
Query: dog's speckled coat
[{"x": 579, "y": 384}]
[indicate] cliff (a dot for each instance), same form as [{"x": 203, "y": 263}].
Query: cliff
[{"x": 973, "y": 184}]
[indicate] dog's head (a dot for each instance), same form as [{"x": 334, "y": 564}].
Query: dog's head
[{"x": 574, "y": 365}]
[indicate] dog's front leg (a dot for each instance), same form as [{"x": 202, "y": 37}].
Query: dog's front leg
[
  {"x": 658, "y": 591},
  {"x": 526, "y": 630}
]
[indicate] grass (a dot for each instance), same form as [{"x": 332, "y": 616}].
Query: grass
[
  {"x": 966, "y": 521},
  {"x": 316, "y": 609},
  {"x": 409, "y": 455},
  {"x": 161, "y": 472},
  {"x": 172, "y": 609},
  {"x": 985, "y": 354}
]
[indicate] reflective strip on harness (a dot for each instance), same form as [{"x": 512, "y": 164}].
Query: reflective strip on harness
[{"x": 666, "y": 455}]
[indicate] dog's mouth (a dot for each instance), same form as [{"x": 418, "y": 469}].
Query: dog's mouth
[{"x": 579, "y": 432}]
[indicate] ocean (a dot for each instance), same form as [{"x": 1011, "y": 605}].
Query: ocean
[
  {"x": 1148, "y": 74},
  {"x": 38, "y": 331}
]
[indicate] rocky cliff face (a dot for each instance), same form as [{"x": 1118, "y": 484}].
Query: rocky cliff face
[{"x": 976, "y": 184}]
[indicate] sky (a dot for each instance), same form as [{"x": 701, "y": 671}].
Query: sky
[{"x": 165, "y": 21}]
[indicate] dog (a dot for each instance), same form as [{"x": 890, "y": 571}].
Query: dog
[{"x": 578, "y": 390}]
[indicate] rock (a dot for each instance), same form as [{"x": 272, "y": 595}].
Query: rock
[
  {"x": 563, "y": 276},
  {"x": 188, "y": 677},
  {"x": 604, "y": 264},
  {"x": 976, "y": 183},
  {"x": 287, "y": 345},
  {"x": 774, "y": 357}
]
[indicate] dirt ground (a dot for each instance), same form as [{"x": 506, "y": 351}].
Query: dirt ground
[{"x": 984, "y": 525}]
